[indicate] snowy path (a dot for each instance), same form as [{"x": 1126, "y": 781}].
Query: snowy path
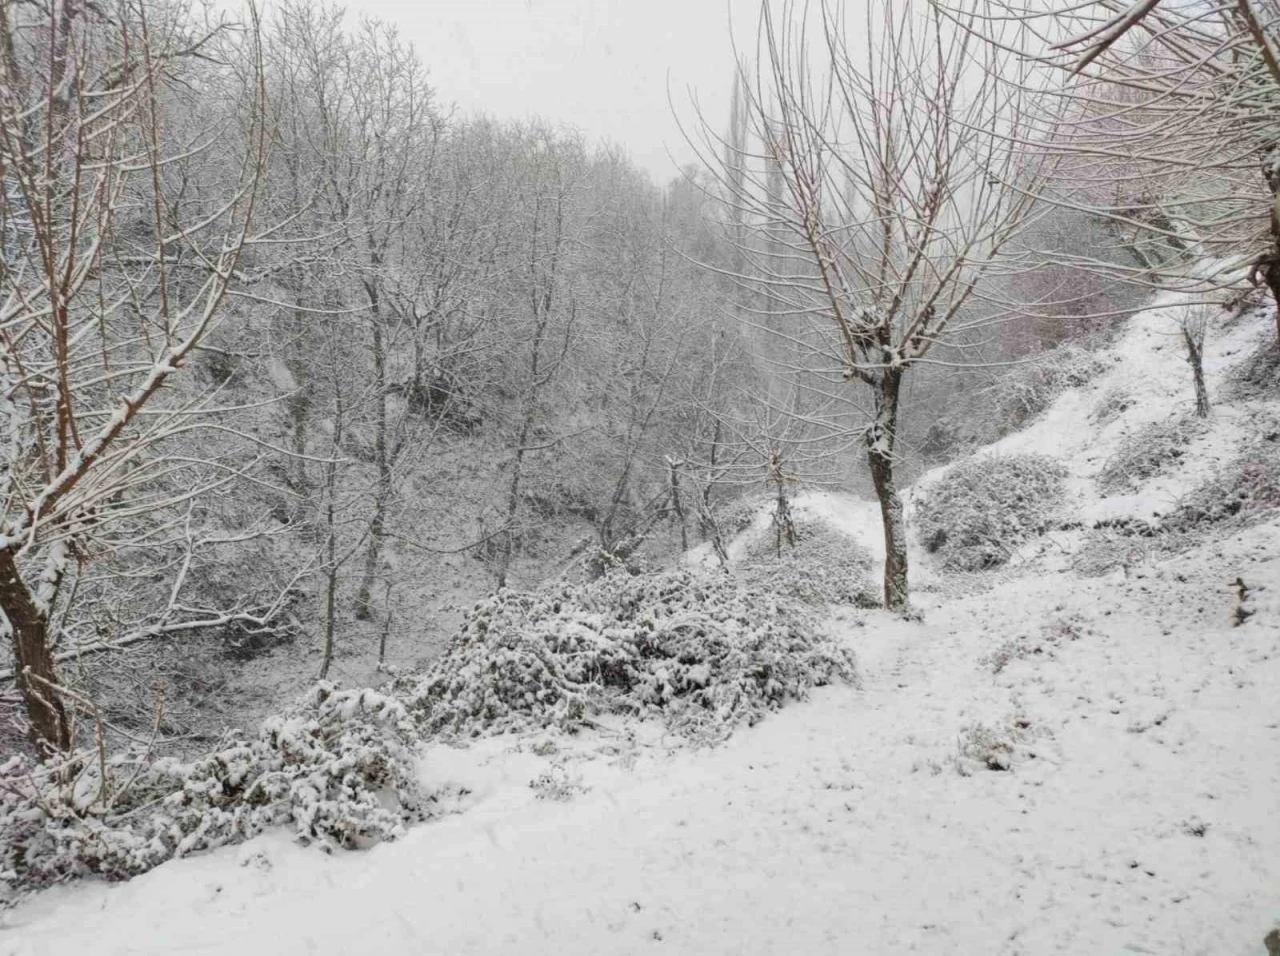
[{"x": 837, "y": 826}]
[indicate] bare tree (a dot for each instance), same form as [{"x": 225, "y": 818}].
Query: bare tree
[
  {"x": 549, "y": 323},
  {"x": 1193, "y": 324},
  {"x": 1169, "y": 116},
  {"x": 897, "y": 181},
  {"x": 111, "y": 278}
]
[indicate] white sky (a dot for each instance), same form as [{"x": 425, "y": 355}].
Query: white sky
[{"x": 600, "y": 66}]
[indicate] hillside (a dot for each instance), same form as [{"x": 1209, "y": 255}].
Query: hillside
[{"x": 1074, "y": 752}]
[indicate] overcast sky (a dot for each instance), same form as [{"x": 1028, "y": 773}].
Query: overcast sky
[{"x": 601, "y": 66}]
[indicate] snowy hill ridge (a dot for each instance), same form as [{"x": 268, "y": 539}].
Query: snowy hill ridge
[
  {"x": 1064, "y": 762},
  {"x": 1148, "y": 383}
]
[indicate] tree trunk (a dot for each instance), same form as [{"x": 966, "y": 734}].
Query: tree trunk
[
  {"x": 1271, "y": 275},
  {"x": 33, "y": 661},
  {"x": 784, "y": 528},
  {"x": 673, "y": 468},
  {"x": 881, "y": 437},
  {"x": 1195, "y": 358},
  {"x": 541, "y": 298},
  {"x": 298, "y": 405},
  {"x": 386, "y": 624},
  {"x": 507, "y": 537},
  {"x": 1269, "y": 264},
  {"x": 382, "y": 491},
  {"x": 331, "y": 584},
  {"x": 331, "y": 542}
]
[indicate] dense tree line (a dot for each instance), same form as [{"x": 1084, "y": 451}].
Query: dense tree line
[
  {"x": 274, "y": 320},
  {"x": 289, "y": 349}
]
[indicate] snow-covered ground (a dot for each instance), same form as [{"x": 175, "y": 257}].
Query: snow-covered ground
[
  {"x": 1150, "y": 368},
  {"x": 1134, "y": 806}
]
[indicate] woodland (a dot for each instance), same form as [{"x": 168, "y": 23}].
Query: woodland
[{"x": 306, "y": 375}]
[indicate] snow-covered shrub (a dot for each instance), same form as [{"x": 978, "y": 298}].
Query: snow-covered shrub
[
  {"x": 1148, "y": 452},
  {"x": 1256, "y": 376},
  {"x": 1113, "y": 403},
  {"x": 1243, "y": 491},
  {"x": 556, "y": 784},
  {"x": 983, "y": 509},
  {"x": 981, "y": 747},
  {"x": 1024, "y": 393},
  {"x": 825, "y": 567},
  {"x": 695, "y": 648},
  {"x": 1122, "y": 544},
  {"x": 741, "y": 513},
  {"x": 338, "y": 769},
  {"x": 944, "y": 440}
]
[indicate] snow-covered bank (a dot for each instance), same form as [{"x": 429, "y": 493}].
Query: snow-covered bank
[
  {"x": 1145, "y": 821},
  {"x": 1053, "y": 764}
]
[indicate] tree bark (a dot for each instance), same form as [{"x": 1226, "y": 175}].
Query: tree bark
[
  {"x": 382, "y": 490},
  {"x": 507, "y": 538},
  {"x": 784, "y": 528},
  {"x": 331, "y": 544},
  {"x": 881, "y": 437},
  {"x": 33, "y": 661},
  {"x": 331, "y": 581},
  {"x": 1268, "y": 265},
  {"x": 1195, "y": 358},
  {"x": 673, "y": 476}
]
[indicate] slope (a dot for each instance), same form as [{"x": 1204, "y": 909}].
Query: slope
[{"x": 1055, "y": 763}]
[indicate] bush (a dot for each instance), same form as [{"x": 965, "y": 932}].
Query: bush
[
  {"x": 1245, "y": 490},
  {"x": 983, "y": 747},
  {"x": 1024, "y": 393},
  {"x": 1148, "y": 452},
  {"x": 338, "y": 769},
  {"x": 943, "y": 441},
  {"x": 980, "y": 511},
  {"x": 825, "y": 567},
  {"x": 1114, "y": 402},
  {"x": 741, "y": 513},
  {"x": 1257, "y": 376},
  {"x": 1116, "y": 544},
  {"x": 694, "y": 648}
]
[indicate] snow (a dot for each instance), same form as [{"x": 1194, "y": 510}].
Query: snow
[
  {"x": 1151, "y": 366},
  {"x": 834, "y": 826},
  {"x": 1138, "y": 814}
]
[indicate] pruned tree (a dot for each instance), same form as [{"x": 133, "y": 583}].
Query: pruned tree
[
  {"x": 115, "y": 270},
  {"x": 1193, "y": 324},
  {"x": 882, "y": 188},
  {"x": 1167, "y": 119}
]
